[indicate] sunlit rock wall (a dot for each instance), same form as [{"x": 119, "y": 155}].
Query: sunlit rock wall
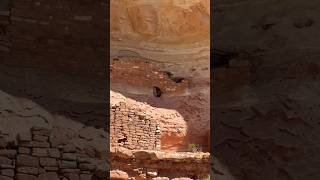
[{"x": 156, "y": 43}]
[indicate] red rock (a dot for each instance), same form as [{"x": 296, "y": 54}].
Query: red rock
[{"x": 118, "y": 175}]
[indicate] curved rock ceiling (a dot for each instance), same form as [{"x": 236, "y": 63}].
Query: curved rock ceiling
[{"x": 169, "y": 31}]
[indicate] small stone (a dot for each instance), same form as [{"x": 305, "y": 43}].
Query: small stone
[
  {"x": 119, "y": 175},
  {"x": 160, "y": 178},
  {"x": 55, "y": 153},
  {"x": 25, "y": 177},
  {"x": 3, "y": 143},
  {"x": 72, "y": 176},
  {"x": 27, "y": 160},
  {"x": 41, "y": 152},
  {"x": 5, "y": 178},
  {"x": 84, "y": 160},
  {"x": 51, "y": 168},
  {"x": 35, "y": 144},
  {"x": 49, "y": 176},
  {"x": 5, "y": 161},
  {"x": 87, "y": 167},
  {"x": 24, "y": 137},
  {"x": 41, "y": 131},
  {"x": 42, "y": 170},
  {"x": 28, "y": 170},
  {"x": 68, "y": 164},
  {"x": 69, "y": 156},
  {"x": 40, "y": 138},
  {"x": 69, "y": 148},
  {"x": 48, "y": 162},
  {"x": 24, "y": 150},
  {"x": 4, "y": 166},
  {"x": 7, "y": 172},
  {"x": 8, "y": 153},
  {"x": 85, "y": 177},
  {"x": 152, "y": 174}
]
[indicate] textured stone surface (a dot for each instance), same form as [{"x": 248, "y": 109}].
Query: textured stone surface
[
  {"x": 38, "y": 46},
  {"x": 151, "y": 40},
  {"x": 118, "y": 175},
  {"x": 266, "y": 105},
  {"x": 132, "y": 129},
  {"x": 45, "y": 163},
  {"x": 158, "y": 163},
  {"x": 27, "y": 160},
  {"x": 163, "y": 29}
]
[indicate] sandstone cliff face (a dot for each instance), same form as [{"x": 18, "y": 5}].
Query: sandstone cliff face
[
  {"x": 164, "y": 44},
  {"x": 266, "y": 102},
  {"x": 160, "y": 30}
]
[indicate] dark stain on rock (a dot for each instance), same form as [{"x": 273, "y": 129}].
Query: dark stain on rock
[
  {"x": 304, "y": 24},
  {"x": 221, "y": 58},
  {"x": 267, "y": 26}
]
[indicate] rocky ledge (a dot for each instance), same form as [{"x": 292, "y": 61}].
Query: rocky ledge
[{"x": 141, "y": 164}]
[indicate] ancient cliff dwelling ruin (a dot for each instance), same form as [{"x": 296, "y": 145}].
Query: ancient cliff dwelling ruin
[
  {"x": 52, "y": 109},
  {"x": 159, "y": 89}
]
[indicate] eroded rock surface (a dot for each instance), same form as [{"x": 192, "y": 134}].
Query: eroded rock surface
[
  {"x": 153, "y": 164},
  {"x": 266, "y": 102}
]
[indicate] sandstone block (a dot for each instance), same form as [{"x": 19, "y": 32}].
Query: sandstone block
[
  {"x": 85, "y": 177},
  {"x": 25, "y": 177},
  {"x": 40, "y": 138},
  {"x": 72, "y": 176},
  {"x": 35, "y": 144},
  {"x": 160, "y": 178},
  {"x": 51, "y": 168},
  {"x": 24, "y": 150},
  {"x": 69, "y": 148},
  {"x": 69, "y": 156},
  {"x": 7, "y": 172},
  {"x": 41, "y": 152},
  {"x": 119, "y": 175},
  {"x": 4, "y": 166},
  {"x": 5, "y": 178},
  {"x": 5, "y": 161},
  {"x": 8, "y": 153},
  {"x": 41, "y": 131},
  {"x": 49, "y": 176},
  {"x": 55, "y": 153},
  {"x": 24, "y": 137},
  {"x": 68, "y": 164},
  {"x": 27, "y": 160},
  {"x": 28, "y": 170},
  {"x": 48, "y": 162},
  {"x": 87, "y": 167}
]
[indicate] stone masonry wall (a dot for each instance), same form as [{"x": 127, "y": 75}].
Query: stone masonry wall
[
  {"x": 57, "y": 34},
  {"x": 132, "y": 129},
  {"x": 34, "y": 157}
]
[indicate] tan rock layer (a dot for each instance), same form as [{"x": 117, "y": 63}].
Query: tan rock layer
[{"x": 178, "y": 164}]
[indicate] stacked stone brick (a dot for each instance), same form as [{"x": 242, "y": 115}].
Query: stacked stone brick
[
  {"x": 36, "y": 159},
  {"x": 132, "y": 129},
  {"x": 69, "y": 35}
]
